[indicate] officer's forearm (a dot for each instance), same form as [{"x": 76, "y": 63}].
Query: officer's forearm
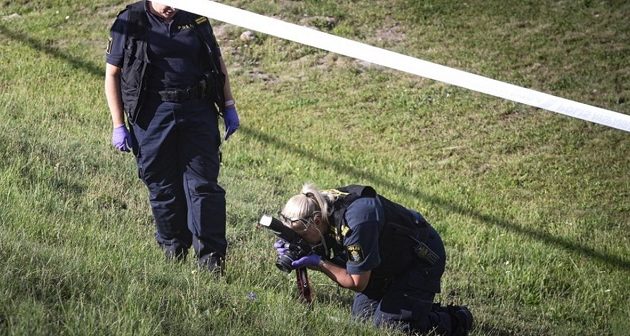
[
  {"x": 227, "y": 89},
  {"x": 355, "y": 282},
  {"x": 112, "y": 93}
]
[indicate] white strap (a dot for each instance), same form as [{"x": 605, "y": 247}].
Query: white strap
[{"x": 401, "y": 62}]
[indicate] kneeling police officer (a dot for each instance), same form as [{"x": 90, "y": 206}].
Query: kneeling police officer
[{"x": 389, "y": 255}]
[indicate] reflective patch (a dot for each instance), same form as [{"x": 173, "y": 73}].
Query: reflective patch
[
  {"x": 337, "y": 235},
  {"x": 184, "y": 27},
  {"x": 336, "y": 193},
  {"x": 201, "y": 19},
  {"x": 345, "y": 230},
  {"x": 355, "y": 253},
  {"x": 108, "y": 50}
]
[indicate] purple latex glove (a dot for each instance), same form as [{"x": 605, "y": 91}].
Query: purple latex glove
[
  {"x": 311, "y": 260},
  {"x": 230, "y": 117},
  {"x": 279, "y": 246},
  {"x": 121, "y": 138}
]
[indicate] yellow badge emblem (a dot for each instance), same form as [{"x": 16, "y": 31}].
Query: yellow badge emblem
[{"x": 355, "y": 253}]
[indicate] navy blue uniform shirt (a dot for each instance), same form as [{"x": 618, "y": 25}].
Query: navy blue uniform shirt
[
  {"x": 177, "y": 55},
  {"x": 365, "y": 219}
]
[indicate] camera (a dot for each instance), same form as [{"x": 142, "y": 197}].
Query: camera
[{"x": 296, "y": 246}]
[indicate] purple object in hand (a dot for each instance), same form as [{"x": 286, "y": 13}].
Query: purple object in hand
[
  {"x": 230, "y": 117},
  {"x": 310, "y": 260},
  {"x": 121, "y": 138}
]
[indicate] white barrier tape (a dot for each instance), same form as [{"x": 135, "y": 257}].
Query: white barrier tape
[{"x": 390, "y": 59}]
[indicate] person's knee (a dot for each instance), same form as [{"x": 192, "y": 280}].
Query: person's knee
[
  {"x": 363, "y": 307},
  {"x": 161, "y": 193},
  {"x": 401, "y": 321},
  {"x": 204, "y": 187}
]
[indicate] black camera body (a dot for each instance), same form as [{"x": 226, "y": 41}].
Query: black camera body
[{"x": 296, "y": 246}]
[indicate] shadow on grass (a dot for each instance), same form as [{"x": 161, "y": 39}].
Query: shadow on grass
[
  {"x": 76, "y": 62},
  {"x": 493, "y": 331},
  {"x": 341, "y": 167}
]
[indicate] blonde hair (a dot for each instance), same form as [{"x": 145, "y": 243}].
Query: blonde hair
[{"x": 308, "y": 202}]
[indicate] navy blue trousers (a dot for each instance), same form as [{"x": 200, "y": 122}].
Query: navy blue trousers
[
  {"x": 407, "y": 303},
  {"x": 177, "y": 151}
]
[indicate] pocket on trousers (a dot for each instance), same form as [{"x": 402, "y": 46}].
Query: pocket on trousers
[{"x": 140, "y": 171}]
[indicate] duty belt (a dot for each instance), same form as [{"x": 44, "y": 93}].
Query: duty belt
[{"x": 180, "y": 95}]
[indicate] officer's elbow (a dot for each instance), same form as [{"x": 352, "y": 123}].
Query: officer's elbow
[
  {"x": 357, "y": 288},
  {"x": 359, "y": 281}
]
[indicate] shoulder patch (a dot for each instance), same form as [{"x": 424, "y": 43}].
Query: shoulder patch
[
  {"x": 355, "y": 253},
  {"x": 108, "y": 50},
  {"x": 336, "y": 193},
  {"x": 201, "y": 20}
]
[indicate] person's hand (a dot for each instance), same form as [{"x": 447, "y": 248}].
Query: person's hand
[
  {"x": 311, "y": 260},
  {"x": 121, "y": 138},
  {"x": 279, "y": 246},
  {"x": 230, "y": 117}
]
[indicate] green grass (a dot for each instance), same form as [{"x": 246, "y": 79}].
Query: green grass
[{"x": 534, "y": 207}]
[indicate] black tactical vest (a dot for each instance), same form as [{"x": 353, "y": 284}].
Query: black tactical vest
[
  {"x": 398, "y": 237},
  {"x": 136, "y": 62}
]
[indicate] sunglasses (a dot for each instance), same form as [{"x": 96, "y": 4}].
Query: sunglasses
[{"x": 297, "y": 224}]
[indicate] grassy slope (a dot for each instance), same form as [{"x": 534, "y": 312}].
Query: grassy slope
[{"x": 534, "y": 207}]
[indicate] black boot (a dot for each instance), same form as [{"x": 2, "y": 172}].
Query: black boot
[
  {"x": 175, "y": 254},
  {"x": 213, "y": 263},
  {"x": 461, "y": 319}
]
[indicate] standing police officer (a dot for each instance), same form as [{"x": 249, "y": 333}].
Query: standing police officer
[
  {"x": 165, "y": 71},
  {"x": 388, "y": 254}
]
